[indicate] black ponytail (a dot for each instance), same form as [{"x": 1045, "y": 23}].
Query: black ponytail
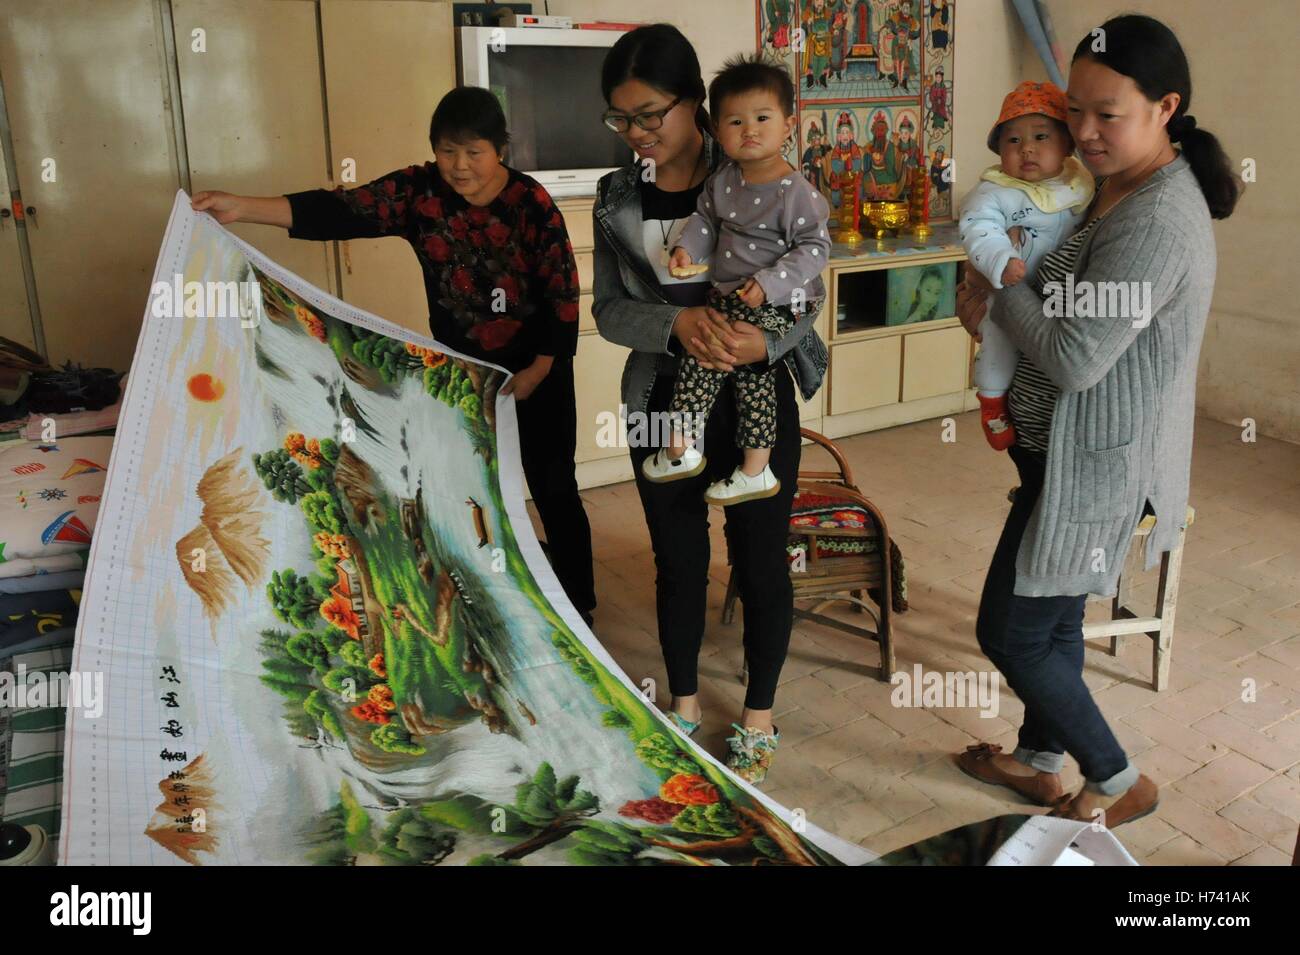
[
  {"x": 1213, "y": 170},
  {"x": 658, "y": 55},
  {"x": 1146, "y": 50}
]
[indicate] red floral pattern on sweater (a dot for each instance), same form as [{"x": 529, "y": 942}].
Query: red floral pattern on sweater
[{"x": 491, "y": 271}]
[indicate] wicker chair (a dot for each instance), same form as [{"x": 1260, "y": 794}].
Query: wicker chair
[{"x": 867, "y": 562}]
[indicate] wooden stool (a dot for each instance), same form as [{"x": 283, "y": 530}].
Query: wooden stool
[{"x": 1160, "y": 627}]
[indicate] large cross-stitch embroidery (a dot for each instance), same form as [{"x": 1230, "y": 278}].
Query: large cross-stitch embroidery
[{"x": 327, "y": 632}]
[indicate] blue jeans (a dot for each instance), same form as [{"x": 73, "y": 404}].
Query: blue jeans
[{"x": 1037, "y": 644}]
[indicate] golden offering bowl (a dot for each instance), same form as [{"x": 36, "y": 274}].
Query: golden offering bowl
[{"x": 886, "y": 215}]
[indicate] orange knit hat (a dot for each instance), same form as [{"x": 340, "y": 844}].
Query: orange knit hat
[{"x": 1028, "y": 98}]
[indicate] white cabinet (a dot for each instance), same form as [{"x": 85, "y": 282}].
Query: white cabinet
[
  {"x": 935, "y": 362},
  {"x": 597, "y": 370},
  {"x": 864, "y": 374},
  {"x": 885, "y": 375}
]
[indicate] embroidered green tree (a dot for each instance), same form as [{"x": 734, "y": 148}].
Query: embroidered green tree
[
  {"x": 273, "y": 641},
  {"x": 309, "y": 649},
  {"x": 340, "y": 834},
  {"x": 410, "y": 839},
  {"x": 335, "y": 639},
  {"x": 293, "y": 598},
  {"x": 329, "y": 450},
  {"x": 448, "y": 383},
  {"x": 545, "y": 811},
  {"x": 349, "y": 682},
  {"x": 715, "y": 819},
  {"x": 322, "y": 511},
  {"x": 391, "y": 738},
  {"x": 287, "y": 677},
  {"x": 282, "y": 475},
  {"x": 317, "y": 706},
  {"x": 290, "y": 678},
  {"x": 353, "y": 654},
  {"x": 387, "y": 355},
  {"x": 658, "y": 750},
  {"x": 739, "y": 834},
  {"x": 604, "y": 843}
]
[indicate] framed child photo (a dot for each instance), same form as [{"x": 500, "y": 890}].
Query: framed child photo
[{"x": 921, "y": 293}]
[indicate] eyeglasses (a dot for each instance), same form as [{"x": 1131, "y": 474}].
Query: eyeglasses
[{"x": 620, "y": 122}]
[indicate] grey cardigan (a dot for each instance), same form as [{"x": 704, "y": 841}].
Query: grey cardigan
[
  {"x": 630, "y": 311},
  {"x": 1122, "y": 428}
]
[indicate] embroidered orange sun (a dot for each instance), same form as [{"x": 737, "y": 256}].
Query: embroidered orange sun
[{"x": 205, "y": 387}]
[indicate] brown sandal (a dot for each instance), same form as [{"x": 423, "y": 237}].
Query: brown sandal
[{"x": 977, "y": 762}]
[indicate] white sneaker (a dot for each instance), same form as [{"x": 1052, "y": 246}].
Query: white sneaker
[
  {"x": 741, "y": 487},
  {"x": 659, "y": 468}
]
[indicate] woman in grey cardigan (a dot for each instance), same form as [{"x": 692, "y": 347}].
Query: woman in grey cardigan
[
  {"x": 1103, "y": 401},
  {"x": 651, "y": 81}
]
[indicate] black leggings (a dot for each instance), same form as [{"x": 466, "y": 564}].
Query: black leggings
[
  {"x": 548, "y": 436},
  {"x": 678, "y": 519}
]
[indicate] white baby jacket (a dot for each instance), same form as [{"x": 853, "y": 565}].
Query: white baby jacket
[{"x": 1048, "y": 212}]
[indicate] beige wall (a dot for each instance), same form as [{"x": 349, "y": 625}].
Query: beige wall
[
  {"x": 989, "y": 63},
  {"x": 717, "y": 28},
  {"x": 1243, "y": 69}
]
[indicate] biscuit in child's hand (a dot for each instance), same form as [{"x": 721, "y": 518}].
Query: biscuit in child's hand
[{"x": 686, "y": 271}]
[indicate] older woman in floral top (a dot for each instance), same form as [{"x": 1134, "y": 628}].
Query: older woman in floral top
[{"x": 501, "y": 282}]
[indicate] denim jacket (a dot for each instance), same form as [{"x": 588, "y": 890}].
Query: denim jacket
[{"x": 630, "y": 311}]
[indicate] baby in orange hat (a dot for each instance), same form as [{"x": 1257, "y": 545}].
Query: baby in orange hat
[{"x": 1023, "y": 207}]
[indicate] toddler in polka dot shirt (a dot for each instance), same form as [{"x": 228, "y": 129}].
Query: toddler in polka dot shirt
[{"x": 761, "y": 229}]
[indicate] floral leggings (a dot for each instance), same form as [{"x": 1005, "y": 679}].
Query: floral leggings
[{"x": 697, "y": 387}]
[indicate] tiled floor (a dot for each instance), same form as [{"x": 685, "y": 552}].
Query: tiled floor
[{"x": 1229, "y": 770}]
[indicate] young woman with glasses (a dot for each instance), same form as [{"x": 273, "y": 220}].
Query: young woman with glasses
[{"x": 652, "y": 84}]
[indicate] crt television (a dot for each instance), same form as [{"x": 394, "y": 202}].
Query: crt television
[{"x": 548, "y": 83}]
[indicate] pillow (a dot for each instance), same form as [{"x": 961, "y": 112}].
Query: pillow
[{"x": 49, "y": 496}]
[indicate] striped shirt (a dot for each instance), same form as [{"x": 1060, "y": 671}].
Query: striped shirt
[{"x": 1032, "y": 396}]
